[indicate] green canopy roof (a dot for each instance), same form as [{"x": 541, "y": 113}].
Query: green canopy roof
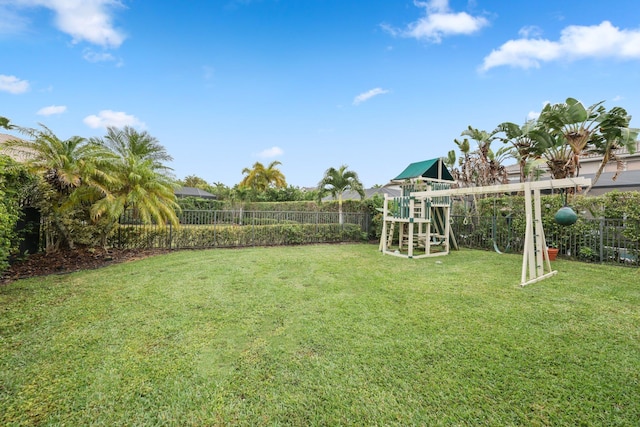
[{"x": 425, "y": 169}]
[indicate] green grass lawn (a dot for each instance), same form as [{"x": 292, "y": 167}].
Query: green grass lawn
[{"x": 322, "y": 335}]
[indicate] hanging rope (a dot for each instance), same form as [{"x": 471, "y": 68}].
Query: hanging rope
[{"x": 494, "y": 230}]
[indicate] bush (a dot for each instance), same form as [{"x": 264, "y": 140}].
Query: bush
[
  {"x": 8, "y": 220},
  {"x": 205, "y": 236},
  {"x": 15, "y": 183}
]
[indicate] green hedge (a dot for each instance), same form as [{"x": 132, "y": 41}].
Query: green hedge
[
  {"x": 15, "y": 182},
  {"x": 202, "y": 236},
  {"x": 8, "y": 220}
]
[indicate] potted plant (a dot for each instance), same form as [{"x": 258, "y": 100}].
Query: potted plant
[{"x": 552, "y": 250}]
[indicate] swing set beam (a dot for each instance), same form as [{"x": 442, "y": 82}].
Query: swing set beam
[{"x": 535, "y": 262}]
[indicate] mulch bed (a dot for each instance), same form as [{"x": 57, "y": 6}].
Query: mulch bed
[{"x": 68, "y": 261}]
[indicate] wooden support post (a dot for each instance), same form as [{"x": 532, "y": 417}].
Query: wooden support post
[
  {"x": 541, "y": 245},
  {"x": 410, "y": 232},
  {"x": 383, "y": 235}
]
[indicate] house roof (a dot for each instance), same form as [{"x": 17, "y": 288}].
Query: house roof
[
  {"x": 194, "y": 192},
  {"x": 19, "y": 155},
  {"x": 434, "y": 169}
]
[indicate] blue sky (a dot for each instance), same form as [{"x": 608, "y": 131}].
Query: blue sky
[{"x": 372, "y": 84}]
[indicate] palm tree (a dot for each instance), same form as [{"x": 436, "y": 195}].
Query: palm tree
[
  {"x": 5, "y": 123},
  {"x": 141, "y": 181},
  {"x": 195, "y": 182},
  {"x": 128, "y": 142},
  {"x": 73, "y": 175},
  {"x": 336, "y": 182},
  {"x": 260, "y": 178}
]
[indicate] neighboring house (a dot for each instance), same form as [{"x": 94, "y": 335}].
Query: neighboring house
[
  {"x": 628, "y": 180},
  {"x": 14, "y": 154},
  {"x": 4, "y": 138},
  {"x": 590, "y": 163},
  {"x": 194, "y": 192}
]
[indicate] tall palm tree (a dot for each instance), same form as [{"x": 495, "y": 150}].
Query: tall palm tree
[
  {"x": 260, "y": 178},
  {"x": 128, "y": 142},
  {"x": 336, "y": 182},
  {"x": 141, "y": 181}
]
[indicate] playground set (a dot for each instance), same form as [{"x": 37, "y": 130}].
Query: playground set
[{"x": 422, "y": 217}]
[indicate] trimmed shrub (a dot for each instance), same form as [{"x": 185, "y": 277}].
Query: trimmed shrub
[{"x": 205, "y": 236}]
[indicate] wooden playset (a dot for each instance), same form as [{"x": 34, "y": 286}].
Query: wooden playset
[{"x": 422, "y": 215}]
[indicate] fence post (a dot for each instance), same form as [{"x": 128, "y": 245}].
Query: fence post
[{"x": 601, "y": 236}]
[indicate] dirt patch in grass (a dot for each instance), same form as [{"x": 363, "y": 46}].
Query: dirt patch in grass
[{"x": 68, "y": 261}]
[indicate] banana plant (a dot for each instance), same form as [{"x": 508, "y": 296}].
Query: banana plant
[
  {"x": 523, "y": 147},
  {"x": 568, "y": 130}
]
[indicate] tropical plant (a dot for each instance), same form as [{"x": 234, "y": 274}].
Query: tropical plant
[
  {"x": 614, "y": 134},
  {"x": 259, "y": 177},
  {"x": 220, "y": 190},
  {"x": 481, "y": 166},
  {"x": 195, "y": 182},
  {"x": 523, "y": 147},
  {"x": 450, "y": 162},
  {"x": 336, "y": 182},
  {"x": 5, "y": 123},
  {"x": 15, "y": 190},
  {"x": 140, "y": 181},
  {"x": 73, "y": 176},
  {"x": 568, "y": 130}
]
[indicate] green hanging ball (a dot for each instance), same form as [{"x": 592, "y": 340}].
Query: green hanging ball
[{"x": 566, "y": 216}]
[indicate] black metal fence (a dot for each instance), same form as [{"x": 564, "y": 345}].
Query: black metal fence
[
  {"x": 601, "y": 240},
  {"x": 238, "y": 228},
  {"x": 612, "y": 241}
]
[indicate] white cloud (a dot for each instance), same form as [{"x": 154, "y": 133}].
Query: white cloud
[
  {"x": 10, "y": 21},
  {"x": 93, "y": 56},
  {"x": 12, "y": 84},
  {"x": 439, "y": 21},
  {"x": 576, "y": 42},
  {"x": 533, "y": 115},
  {"x": 83, "y": 20},
  {"x": 51, "y": 110},
  {"x": 368, "y": 95},
  {"x": 530, "y": 31},
  {"x": 271, "y": 153},
  {"x": 106, "y": 118}
]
